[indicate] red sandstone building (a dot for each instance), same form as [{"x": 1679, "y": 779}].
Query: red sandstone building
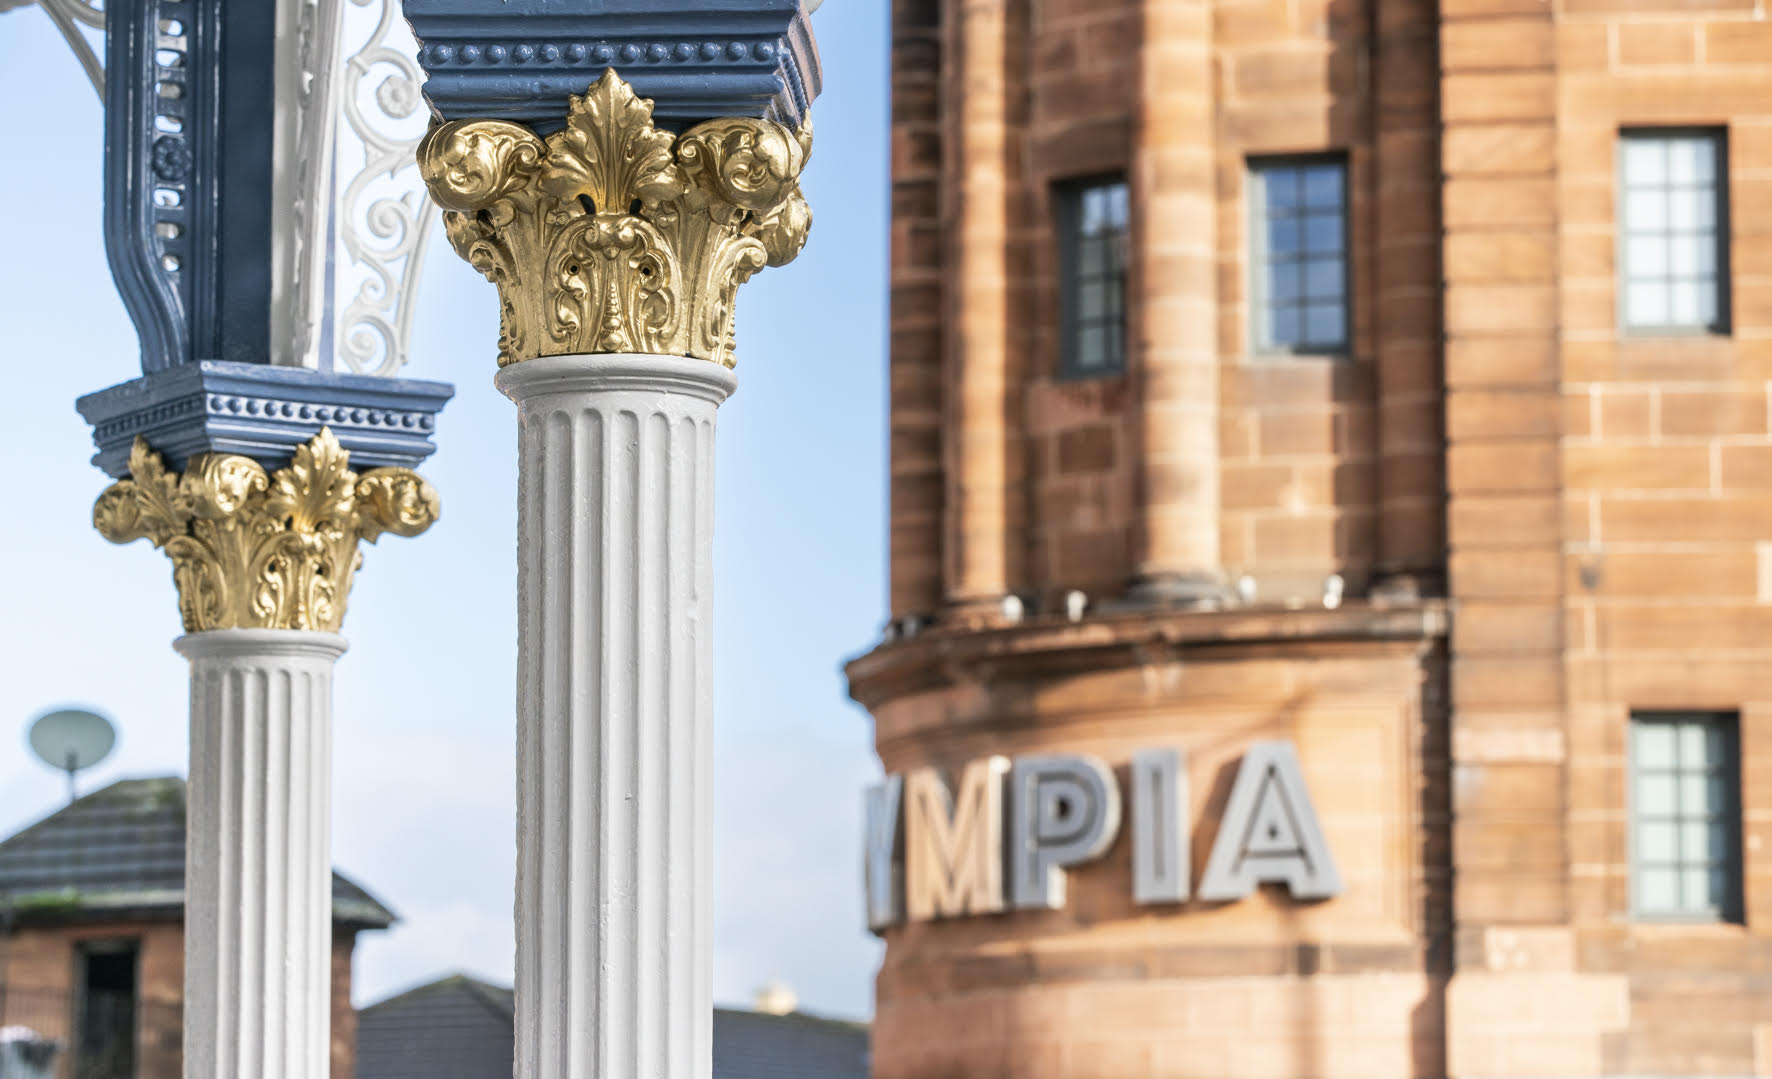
[
  {"x": 92, "y": 942},
  {"x": 1391, "y": 380}
]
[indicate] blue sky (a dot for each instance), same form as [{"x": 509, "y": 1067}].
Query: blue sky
[{"x": 423, "y": 770}]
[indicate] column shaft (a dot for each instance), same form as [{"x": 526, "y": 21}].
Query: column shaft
[
  {"x": 1174, "y": 255},
  {"x": 258, "y": 873},
  {"x": 977, "y": 451},
  {"x": 614, "y": 714}
]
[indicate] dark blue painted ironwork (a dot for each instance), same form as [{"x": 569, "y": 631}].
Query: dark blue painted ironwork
[
  {"x": 188, "y": 137},
  {"x": 519, "y": 59},
  {"x": 264, "y": 412},
  {"x": 189, "y": 150}
]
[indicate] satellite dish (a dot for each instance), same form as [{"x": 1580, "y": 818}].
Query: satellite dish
[{"x": 72, "y": 739}]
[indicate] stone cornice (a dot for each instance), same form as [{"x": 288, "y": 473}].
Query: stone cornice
[{"x": 942, "y": 655}]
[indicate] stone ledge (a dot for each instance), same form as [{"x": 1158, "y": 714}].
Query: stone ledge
[{"x": 936, "y": 656}]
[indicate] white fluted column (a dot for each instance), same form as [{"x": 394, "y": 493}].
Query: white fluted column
[
  {"x": 614, "y": 714},
  {"x": 258, "y": 874}
]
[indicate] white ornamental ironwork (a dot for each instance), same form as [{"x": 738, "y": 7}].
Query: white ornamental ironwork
[{"x": 383, "y": 213}]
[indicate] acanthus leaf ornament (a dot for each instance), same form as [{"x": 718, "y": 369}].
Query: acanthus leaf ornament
[
  {"x": 252, "y": 549},
  {"x": 611, "y": 235}
]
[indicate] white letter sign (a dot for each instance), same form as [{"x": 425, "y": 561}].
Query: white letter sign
[
  {"x": 1269, "y": 832},
  {"x": 1160, "y": 858},
  {"x": 882, "y": 879},
  {"x": 934, "y": 854},
  {"x": 1063, "y": 810},
  {"x": 954, "y": 845}
]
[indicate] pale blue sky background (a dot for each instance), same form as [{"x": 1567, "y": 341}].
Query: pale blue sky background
[{"x": 423, "y": 774}]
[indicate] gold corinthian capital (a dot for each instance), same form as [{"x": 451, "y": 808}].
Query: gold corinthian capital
[
  {"x": 613, "y": 236},
  {"x": 258, "y": 550}
]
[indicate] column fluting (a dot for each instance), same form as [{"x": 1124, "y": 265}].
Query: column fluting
[
  {"x": 614, "y": 714},
  {"x": 258, "y": 872}
]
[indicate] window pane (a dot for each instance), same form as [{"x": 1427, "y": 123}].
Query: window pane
[
  {"x": 1693, "y": 746},
  {"x": 1653, "y": 745},
  {"x": 1683, "y": 303},
  {"x": 1284, "y": 280},
  {"x": 1092, "y": 258},
  {"x": 1322, "y": 325},
  {"x": 1683, "y": 857},
  {"x": 1707, "y": 302},
  {"x": 1691, "y": 161},
  {"x": 1093, "y": 278},
  {"x": 1092, "y": 302},
  {"x": 1691, "y": 255},
  {"x": 1695, "y": 893},
  {"x": 1645, "y": 161},
  {"x": 1322, "y": 279},
  {"x": 1672, "y": 206},
  {"x": 1322, "y": 187},
  {"x": 1657, "y": 843},
  {"x": 1283, "y": 237},
  {"x": 1322, "y": 234},
  {"x": 1090, "y": 351},
  {"x": 1298, "y": 248},
  {"x": 1721, "y": 890},
  {"x": 1658, "y": 891},
  {"x": 1645, "y": 210},
  {"x": 1284, "y": 327},
  {"x": 1095, "y": 211},
  {"x": 1646, "y": 305},
  {"x": 1701, "y": 795},
  {"x": 1655, "y": 795},
  {"x": 1646, "y": 256},
  {"x": 1692, "y": 209},
  {"x": 1282, "y": 189},
  {"x": 1694, "y": 841}
]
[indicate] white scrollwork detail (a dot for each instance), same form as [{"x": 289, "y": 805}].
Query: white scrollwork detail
[{"x": 383, "y": 213}]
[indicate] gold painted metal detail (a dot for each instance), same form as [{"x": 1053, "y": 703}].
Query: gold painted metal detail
[
  {"x": 613, "y": 236},
  {"x": 252, "y": 549}
]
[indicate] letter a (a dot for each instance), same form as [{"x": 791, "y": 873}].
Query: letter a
[{"x": 1269, "y": 832}]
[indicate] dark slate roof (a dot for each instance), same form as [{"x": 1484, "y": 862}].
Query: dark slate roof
[
  {"x": 450, "y": 1029},
  {"x": 460, "y": 1028},
  {"x": 120, "y": 852},
  {"x": 755, "y": 1045}
]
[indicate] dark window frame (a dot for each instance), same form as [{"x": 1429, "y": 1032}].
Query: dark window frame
[
  {"x": 1732, "y": 908},
  {"x": 1722, "y": 324},
  {"x": 1255, "y": 181},
  {"x": 78, "y": 1048},
  {"x": 1067, "y": 197}
]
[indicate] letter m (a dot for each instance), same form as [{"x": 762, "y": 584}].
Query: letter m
[{"x": 954, "y": 843}]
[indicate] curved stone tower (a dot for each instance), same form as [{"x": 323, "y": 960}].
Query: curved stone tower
[{"x": 1286, "y": 429}]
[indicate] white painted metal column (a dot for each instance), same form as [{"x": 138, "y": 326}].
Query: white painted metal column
[
  {"x": 614, "y": 713},
  {"x": 258, "y": 873}
]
